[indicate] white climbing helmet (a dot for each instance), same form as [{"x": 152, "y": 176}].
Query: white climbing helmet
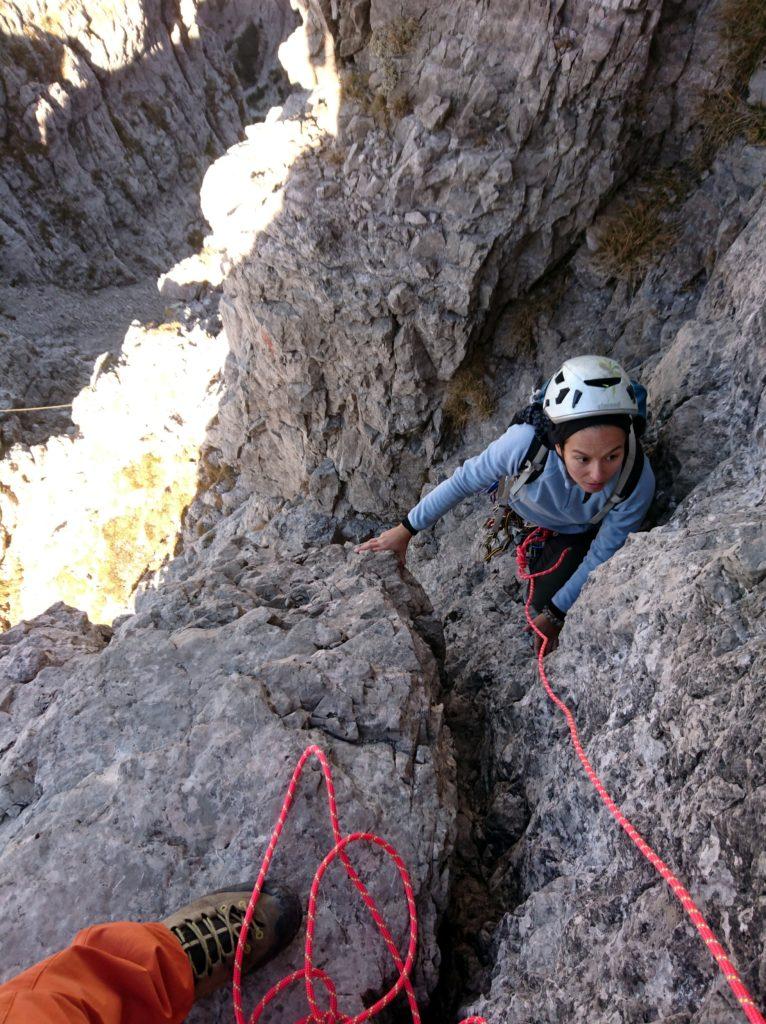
[{"x": 589, "y": 386}]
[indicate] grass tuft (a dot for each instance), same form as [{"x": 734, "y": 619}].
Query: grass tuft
[
  {"x": 355, "y": 86},
  {"x": 635, "y": 237},
  {"x": 396, "y": 39},
  {"x": 724, "y": 116},
  {"x": 467, "y": 399},
  {"x": 642, "y": 228},
  {"x": 743, "y": 27}
]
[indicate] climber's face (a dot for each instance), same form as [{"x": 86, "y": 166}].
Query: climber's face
[{"x": 593, "y": 456}]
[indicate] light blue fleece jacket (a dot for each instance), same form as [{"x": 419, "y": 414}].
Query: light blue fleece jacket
[{"x": 552, "y": 500}]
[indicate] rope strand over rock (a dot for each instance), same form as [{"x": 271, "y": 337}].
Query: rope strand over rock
[
  {"x": 310, "y": 973},
  {"x": 717, "y": 951}
]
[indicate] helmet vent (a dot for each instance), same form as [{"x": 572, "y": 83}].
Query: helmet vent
[
  {"x": 560, "y": 379},
  {"x": 576, "y": 398},
  {"x": 561, "y": 395},
  {"x": 603, "y": 382}
]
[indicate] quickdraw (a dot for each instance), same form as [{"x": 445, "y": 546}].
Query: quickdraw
[{"x": 503, "y": 529}]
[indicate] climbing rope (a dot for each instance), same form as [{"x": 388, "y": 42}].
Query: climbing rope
[
  {"x": 717, "y": 951},
  {"x": 36, "y": 408},
  {"x": 309, "y": 973}
]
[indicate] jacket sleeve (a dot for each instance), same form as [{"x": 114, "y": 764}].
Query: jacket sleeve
[
  {"x": 502, "y": 458},
  {"x": 625, "y": 518}
]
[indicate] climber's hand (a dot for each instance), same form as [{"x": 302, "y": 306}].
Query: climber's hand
[
  {"x": 547, "y": 628},
  {"x": 395, "y": 539}
]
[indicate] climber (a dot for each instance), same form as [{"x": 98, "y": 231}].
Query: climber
[
  {"x": 125, "y": 972},
  {"x": 570, "y": 462}
]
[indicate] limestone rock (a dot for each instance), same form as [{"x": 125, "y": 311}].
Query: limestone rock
[
  {"x": 53, "y": 638},
  {"x": 403, "y": 240},
  {"x": 180, "y": 738},
  {"x": 109, "y": 120},
  {"x": 49, "y": 359},
  {"x": 660, "y": 660},
  {"x": 756, "y": 93}
]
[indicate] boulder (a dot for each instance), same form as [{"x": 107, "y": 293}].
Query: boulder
[{"x": 154, "y": 770}]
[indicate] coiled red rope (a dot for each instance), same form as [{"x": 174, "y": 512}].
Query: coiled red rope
[
  {"x": 309, "y": 973},
  {"x": 717, "y": 951}
]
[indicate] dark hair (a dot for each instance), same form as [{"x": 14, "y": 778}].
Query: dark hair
[{"x": 551, "y": 434}]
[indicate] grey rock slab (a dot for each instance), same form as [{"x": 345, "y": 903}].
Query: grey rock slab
[
  {"x": 154, "y": 771},
  {"x": 756, "y": 90}
]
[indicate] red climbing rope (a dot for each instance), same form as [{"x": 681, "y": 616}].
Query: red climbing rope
[
  {"x": 717, "y": 951},
  {"x": 309, "y": 973}
]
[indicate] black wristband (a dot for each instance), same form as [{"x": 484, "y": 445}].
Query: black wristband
[{"x": 408, "y": 525}]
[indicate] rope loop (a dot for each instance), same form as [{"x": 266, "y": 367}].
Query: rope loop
[{"x": 309, "y": 973}]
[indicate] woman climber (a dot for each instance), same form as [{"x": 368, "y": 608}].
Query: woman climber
[{"x": 570, "y": 462}]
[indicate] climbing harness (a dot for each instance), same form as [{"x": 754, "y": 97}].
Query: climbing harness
[
  {"x": 309, "y": 972},
  {"x": 503, "y": 529},
  {"x": 717, "y": 951}
]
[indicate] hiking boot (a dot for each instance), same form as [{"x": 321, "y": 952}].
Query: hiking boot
[{"x": 209, "y": 928}]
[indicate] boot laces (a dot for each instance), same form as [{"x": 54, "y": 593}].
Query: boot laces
[{"x": 210, "y": 939}]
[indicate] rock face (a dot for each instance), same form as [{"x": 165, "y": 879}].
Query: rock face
[
  {"x": 157, "y": 767},
  {"x": 433, "y": 162},
  {"x": 64, "y": 333},
  {"x": 661, "y": 660},
  {"x": 107, "y": 122},
  {"x": 471, "y": 148},
  {"x": 251, "y": 34}
]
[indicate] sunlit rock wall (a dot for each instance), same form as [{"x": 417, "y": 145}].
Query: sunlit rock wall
[
  {"x": 85, "y": 518},
  {"x": 109, "y": 114}
]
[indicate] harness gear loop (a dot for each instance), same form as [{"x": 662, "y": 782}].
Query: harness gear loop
[
  {"x": 716, "y": 949},
  {"x": 309, "y": 973}
]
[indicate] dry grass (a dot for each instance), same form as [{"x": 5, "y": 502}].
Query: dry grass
[
  {"x": 396, "y": 39},
  {"x": 386, "y": 107},
  {"x": 724, "y": 116},
  {"x": 467, "y": 399},
  {"x": 400, "y": 106},
  {"x": 743, "y": 26},
  {"x": 644, "y": 226},
  {"x": 335, "y": 156},
  {"x": 634, "y": 239},
  {"x": 355, "y": 86},
  {"x": 173, "y": 327}
]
